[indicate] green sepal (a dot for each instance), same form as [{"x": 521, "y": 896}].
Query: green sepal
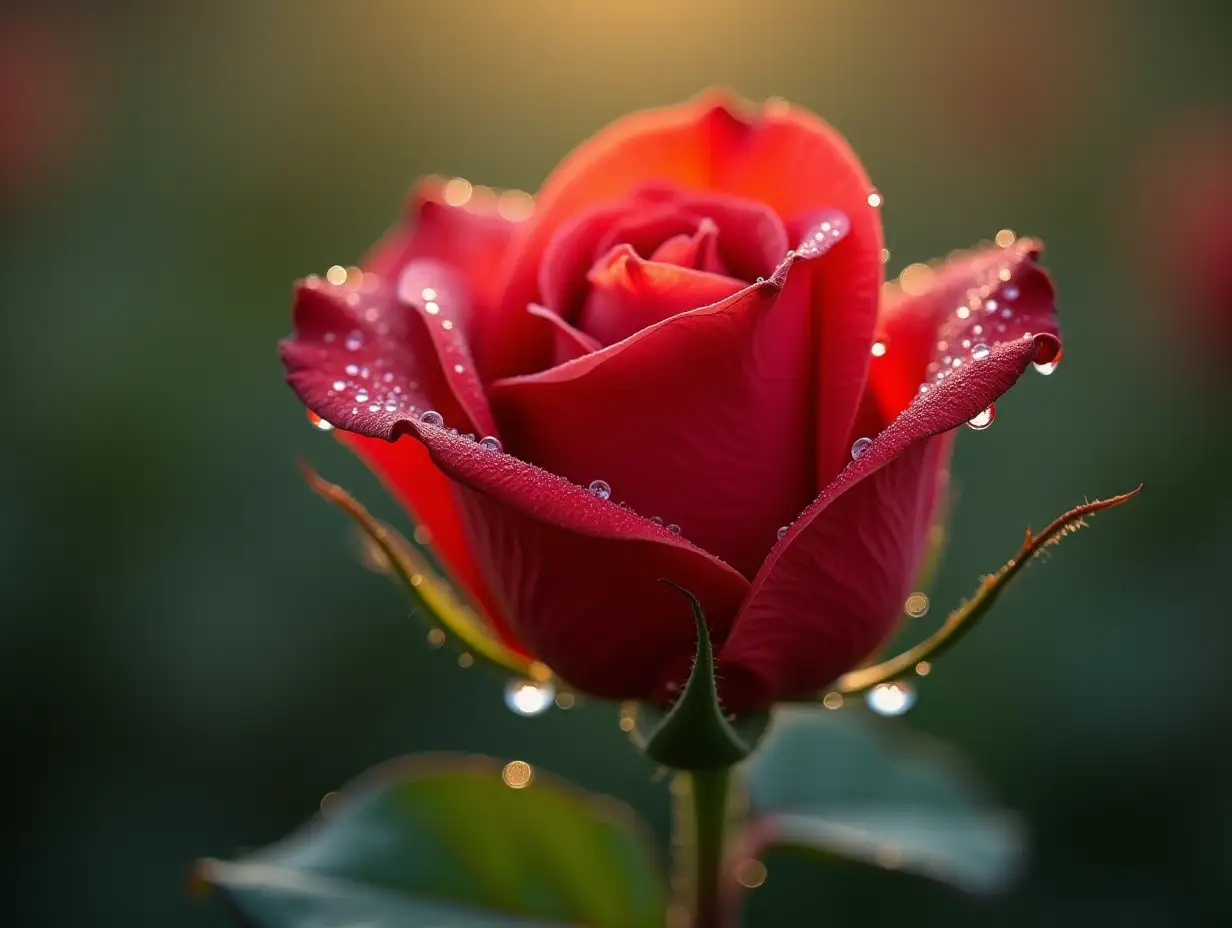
[{"x": 695, "y": 733}]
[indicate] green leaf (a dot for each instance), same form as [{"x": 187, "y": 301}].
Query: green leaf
[
  {"x": 443, "y": 840},
  {"x": 695, "y": 734},
  {"x": 834, "y": 786}
]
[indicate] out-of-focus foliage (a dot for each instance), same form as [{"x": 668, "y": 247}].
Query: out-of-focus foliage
[{"x": 192, "y": 655}]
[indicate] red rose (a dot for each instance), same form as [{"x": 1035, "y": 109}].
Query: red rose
[{"x": 693, "y": 317}]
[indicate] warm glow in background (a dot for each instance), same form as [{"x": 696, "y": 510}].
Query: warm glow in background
[{"x": 192, "y": 653}]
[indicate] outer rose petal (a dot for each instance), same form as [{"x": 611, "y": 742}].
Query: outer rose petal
[
  {"x": 472, "y": 243},
  {"x": 629, "y": 293},
  {"x": 783, "y": 157},
  {"x": 719, "y": 395},
  {"x": 831, "y": 590},
  {"x": 981, "y": 297},
  {"x": 581, "y": 573},
  {"x": 572, "y": 566}
]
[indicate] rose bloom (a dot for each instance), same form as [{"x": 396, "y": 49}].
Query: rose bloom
[{"x": 683, "y": 365}]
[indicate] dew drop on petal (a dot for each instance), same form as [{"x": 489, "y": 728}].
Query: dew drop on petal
[
  {"x": 354, "y": 341},
  {"x": 361, "y": 396},
  {"x": 979, "y": 351},
  {"x": 1010, "y": 293},
  {"x": 983, "y": 420},
  {"x": 859, "y": 446},
  {"x": 1047, "y": 367},
  {"x": 458, "y": 368},
  {"x": 674, "y": 528},
  {"x": 878, "y": 349},
  {"x": 352, "y": 369},
  {"x": 891, "y": 699},
  {"x": 601, "y": 489},
  {"x": 339, "y": 386},
  {"x": 782, "y": 531},
  {"x": 875, "y": 198},
  {"x": 431, "y": 417},
  {"x": 657, "y": 520},
  {"x": 490, "y": 443},
  {"x": 432, "y": 308},
  {"x": 528, "y": 697}
]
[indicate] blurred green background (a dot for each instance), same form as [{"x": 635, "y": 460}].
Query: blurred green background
[{"x": 192, "y": 654}]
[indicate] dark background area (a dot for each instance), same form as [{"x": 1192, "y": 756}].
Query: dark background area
[{"x": 192, "y": 653}]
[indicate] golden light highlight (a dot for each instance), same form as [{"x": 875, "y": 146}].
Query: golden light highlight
[
  {"x": 1005, "y": 238},
  {"x": 915, "y": 279},
  {"x": 517, "y": 774},
  {"x": 457, "y": 191},
  {"x": 336, "y": 275},
  {"x": 916, "y": 605},
  {"x": 750, "y": 873}
]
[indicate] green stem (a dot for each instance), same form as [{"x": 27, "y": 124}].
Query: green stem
[{"x": 702, "y": 797}]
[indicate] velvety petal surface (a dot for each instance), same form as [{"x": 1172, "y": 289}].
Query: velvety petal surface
[
  {"x": 567, "y": 342},
  {"x": 704, "y": 419},
  {"x": 787, "y": 159},
  {"x": 830, "y": 591}
]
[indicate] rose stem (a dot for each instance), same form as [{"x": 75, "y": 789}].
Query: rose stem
[{"x": 701, "y": 798}]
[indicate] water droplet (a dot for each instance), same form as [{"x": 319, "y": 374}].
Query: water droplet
[
  {"x": 1047, "y": 367},
  {"x": 657, "y": 520},
  {"x": 361, "y": 396},
  {"x": 528, "y": 697},
  {"x": 428, "y": 293},
  {"x": 352, "y": 369},
  {"x": 329, "y": 338},
  {"x": 600, "y": 489},
  {"x": 923, "y": 668},
  {"x": 761, "y": 280},
  {"x": 891, "y": 698},
  {"x": 983, "y": 420},
  {"x": 490, "y": 443},
  {"x": 782, "y": 531},
  {"x": 859, "y": 446},
  {"x": 1006, "y": 313},
  {"x": 674, "y": 528},
  {"x": 375, "y": 407},
  {"x": 339, "y": 386},
  {"x": 458, "y": 368},
  {"x": 916, "y": 605},
  {"x": 432, "y": 307},
  {"x": 991, "y": 306},
  {"x": 389, "y": 377},
  {"x": 447, "y": 325},
  {"x": 354, "y": 341},
  {"x": 962, "y": 312},
  {"x": 431, "y": 417},
  {"x": 1010, "y": 293},
  {"x": 318, "y": 421},
  {"x": 879, "y": 349},
  {"x": 832, "y": 700},
  {"x": 979, "y": 351},
  {"x": 874, "y": 198}
]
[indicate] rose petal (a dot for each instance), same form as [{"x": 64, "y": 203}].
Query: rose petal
[
  {"x": 701, "y": 389},
  {"x": 580, "y": 574},
  {"x": 698, "y": 252},
  {"x": 567, "y": 342},
  {"x": 751, "y": 237},
  {"x": 783, "y": 157},
  {"x": 831, "y": 590},
  {"x": 470, "y": 242},
  {"x": 364, "y": 360},
  {"x": 629, "y": 293},
  {"x": 972, "y": 302}
]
